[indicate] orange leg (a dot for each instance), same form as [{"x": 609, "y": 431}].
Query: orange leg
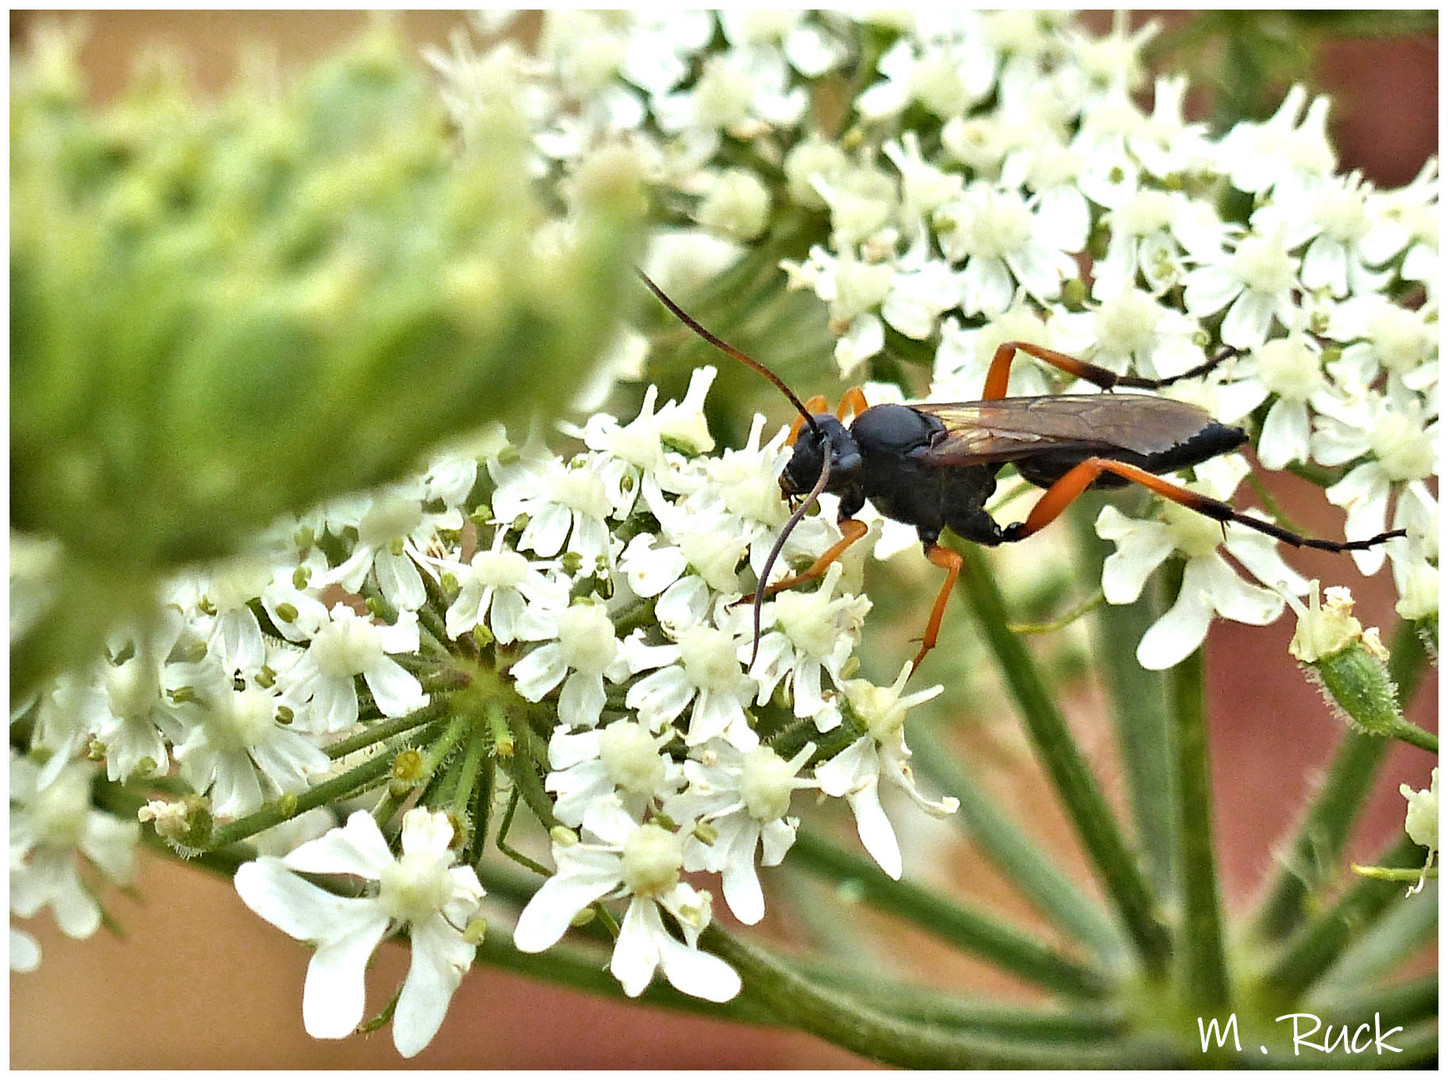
[
  {"x": 1066, "y": 490},
  {"x": 816, "y": 404},
  {"x": 852, "y": 528},
  {"x": 1000, "y": 369},
  {"x": 950, "y": 562},
  {"x": 852, "y": 402}
]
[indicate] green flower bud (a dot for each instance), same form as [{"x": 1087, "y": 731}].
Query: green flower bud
[
  {"x": 1347, "y": 662},
  {"x": 215, "y": 305},
  {"x": 407, "y": 766}
]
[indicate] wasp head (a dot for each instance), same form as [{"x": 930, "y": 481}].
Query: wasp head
[{"x": 802, "y": 471}]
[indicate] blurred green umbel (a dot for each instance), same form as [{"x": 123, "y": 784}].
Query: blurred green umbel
[{"x": 221, "y": 311}]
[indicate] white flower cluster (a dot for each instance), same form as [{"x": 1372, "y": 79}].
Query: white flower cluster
[
  {"x": 609, "y": 584},
  {"x": 994, "y": 180}
]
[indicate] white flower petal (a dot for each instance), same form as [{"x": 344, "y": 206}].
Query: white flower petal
[
  {"x": 395, "y": 689},
  {"x": 1248, "y": 319},
  {"x": 540, "y": 671},
  {"x": 335, "y": 994},
  {"x": 1233, "y": 598},
  {"x": 1173, "y": 637},
  {"x": 440, "y": 958},
  {"x": 698, "y": 974},
  {"x": 291, "y": 904},
  {"x": 583, "y": 879},
  {"x": 582, "y": 700},
  {"x": 1142, "y": 546},
  {"x": 636, "y": 952},
  {"x": 357, "y": 848}
]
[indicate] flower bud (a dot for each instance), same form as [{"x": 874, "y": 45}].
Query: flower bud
[
  {"x": 247, "y": 283},
  {"x": 1347, "y": 662}
]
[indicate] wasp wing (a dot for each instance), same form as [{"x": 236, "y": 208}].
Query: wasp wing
[{"x": 1009, "y": 429}]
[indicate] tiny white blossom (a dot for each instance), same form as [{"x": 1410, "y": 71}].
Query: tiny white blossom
[
  {"x": 52, "y": 822},
  {"x": 1254, "y": 282},
  {"x": 704, "y": 672},
  {"x": 855, "y": 773},
  {"x": 421, "y": 890},
  {"x": 1002, "y": 239},
  {"x": 643, "y": 863},
  {"x": 1209, "y": 585},
  {"x": 565, "y": 505},
  {"x": 1280, "y": 154},
  {"x": 239, "y": 751},
  {"x": 499, "y": 587},
  {"x": 625, "y": 759},
  {"x": 808, "y": 633},
  {"x": 744, "y": 798},
  {"x": 1290, "y": 371},
  {"x": 350, "y": 645},
  {"x": 394, "y": 533},
  {"x": 1399, "y": 436},
  {"x": 583, "y": 650}
]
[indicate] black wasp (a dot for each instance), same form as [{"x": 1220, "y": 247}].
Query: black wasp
[{"x": 933, "y": 465}]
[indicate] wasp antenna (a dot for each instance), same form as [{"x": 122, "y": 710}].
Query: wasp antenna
[
  {"x": 794, "y": 519},
  {"x": 724, "y": 347}
]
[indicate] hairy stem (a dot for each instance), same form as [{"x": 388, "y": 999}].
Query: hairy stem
[
  {"x": 1059, "y": 753},
  {"x": 1312, "y": 856},
  {"x": 1014, "y": 854},
  {"x": 1009, "y": 948},
  {"x": 845, "y": 1021},
  {"x": 1203, "y": 968}
]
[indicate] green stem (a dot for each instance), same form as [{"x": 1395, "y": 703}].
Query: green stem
[
  {"x": 1093, "y": 1022},
  {"x": 468, "y": 774},
  {"x": 1404, "y": 931},
  {"x": 1319, "y": 944},
  {"x": 1203, "y": 970},
  {"x": 1313, "y": 855},
  {"x": 1410, "y": 733},
  {"x": 1012, "y": 852},
  {"x": 847, "y": 1022},
  {"x": 397, "y": 793},
  {"x": 335, "y": 789},
  {"x": 377, "y": 733},
  {"x": 1009, "y": 948},
  {"x": 1057, "y": 749},
  {"x": 1405, "y": 1002},
  {"x": 1138, "y": 707},
  {"x": 586, "y": 970}
]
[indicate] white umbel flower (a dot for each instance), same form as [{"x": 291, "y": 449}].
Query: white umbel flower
[
  {"x": 1209, "y": 585},
  {"x": 880, "y": 754},
  {"x": 51, "y": 822},
  {"x": 421, "y": 889},
  {"x": 348, "y": 646},
  {"x": 744, "y": 798},
  {"x": 642, "y": 863}
]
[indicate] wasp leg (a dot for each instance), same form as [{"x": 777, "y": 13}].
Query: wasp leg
[
  {"x": 853, "y": 401},
  {"x": 1000, "y": 369},
  {"x": 816, "y": 404},
  {"x": 852, "y": 528},
  {"x": 950, "y": 562},
  {"x": 1065, "y": 491}
]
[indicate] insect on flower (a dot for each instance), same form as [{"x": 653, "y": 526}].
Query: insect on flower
[{"x": 933, "y": 465}]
